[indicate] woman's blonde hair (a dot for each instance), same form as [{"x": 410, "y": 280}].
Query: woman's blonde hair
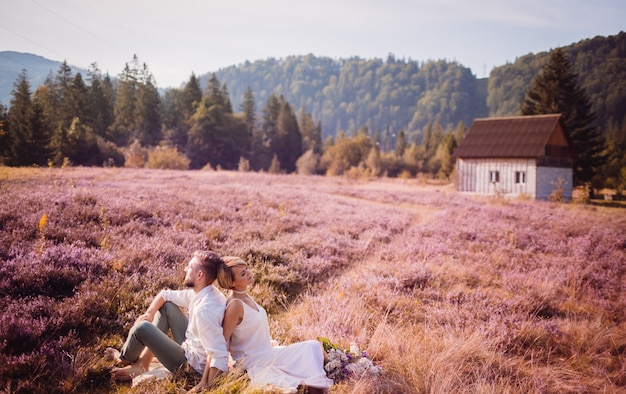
[{"x": 225, "y": 276}]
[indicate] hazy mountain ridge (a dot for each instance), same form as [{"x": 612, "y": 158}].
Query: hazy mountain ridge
[{"x": 37, "y": 67}]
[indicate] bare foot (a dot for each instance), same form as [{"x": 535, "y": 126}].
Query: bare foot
[
  {"x": 128, "y": 372},
  {"x": 114, "y": 355}
]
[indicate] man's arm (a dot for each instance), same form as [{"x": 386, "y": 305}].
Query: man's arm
[
  {"x": 154, "y": 307},
  {"x": 209, "y": 375}
]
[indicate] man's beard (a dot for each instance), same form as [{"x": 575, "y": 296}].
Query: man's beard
[{"x": 188, "y": 283}]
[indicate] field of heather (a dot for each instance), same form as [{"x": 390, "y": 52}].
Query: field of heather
[{"x": 447, "y": 294}]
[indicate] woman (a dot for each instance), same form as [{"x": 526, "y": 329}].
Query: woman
[{"x": 247, "y": 334}]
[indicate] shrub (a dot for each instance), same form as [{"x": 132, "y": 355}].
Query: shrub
[
  {"x": 166, "y": 158},
  {"x": 307, "y": 163},
  {"x": 244, "y": 165},
  {"x": 135, "y": 156},
  {"x": 274, "y": 167},
  {"x": 111, "y": 156}
]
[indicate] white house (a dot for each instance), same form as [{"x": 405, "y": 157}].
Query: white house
[{"x": 513, "y": 156}]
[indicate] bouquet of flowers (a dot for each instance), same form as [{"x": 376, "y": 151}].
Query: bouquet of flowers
[{"x": 351, "y": 363}]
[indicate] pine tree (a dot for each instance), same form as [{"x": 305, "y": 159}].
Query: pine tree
[
  {"x": 248, "y": 107},
  {"x": 443, "y": 162},
  {"x": 4, "y": 136},
  {"x": 213, "y": 91},
  {"x": 179, "y": 106},
  {"x": 147, "y": 113},
  {"x": 62, "y": 101},
  {"x": 274, "y": 167},
  {"x": 101, "y": 101},
  {"x": 191, "y": 96},
  {"x": 228, "y": 107},
  {"x": 123, "y": 127},
  {"x": 288, "y": 142},
  {"x": 40, "y": 135},
  {"x": 459, "y": 132},
  {"x": 262, "y": 141},
  {"x": 311, "y": 133},
  {"x": 400, "y": 144},
  {"x": 19, "y": 122},
  {"x": 556, "y": 90}
]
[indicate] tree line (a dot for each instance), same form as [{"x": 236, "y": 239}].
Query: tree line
[
  {"x": 419, "y": 113},
  {"x": 124, "y": 121}
]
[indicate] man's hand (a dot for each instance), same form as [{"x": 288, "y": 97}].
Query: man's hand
[
  {"x": 149, "y": 317},
  {"x": 200, "y": 387}
]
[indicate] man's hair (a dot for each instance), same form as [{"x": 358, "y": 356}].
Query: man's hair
[{"x": 209, "y": 263}]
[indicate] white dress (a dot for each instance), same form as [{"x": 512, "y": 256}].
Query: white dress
[{"x": 285, "y": 367}]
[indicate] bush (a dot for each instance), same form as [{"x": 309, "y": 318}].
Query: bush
[
  {"x": 110, "y": 154},
  {"x": 166, "y": 158},
  {"x": 307, "y": 163},
  {"x": 244, "y": 165},
  {"x": 275, "y": 166},
  {"x": 135, "y": 156}
]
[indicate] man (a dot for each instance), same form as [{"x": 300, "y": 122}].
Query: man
[{"x": 198, "y": 341}]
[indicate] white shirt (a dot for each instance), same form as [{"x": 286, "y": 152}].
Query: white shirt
[{"x": 204, "y": 336}]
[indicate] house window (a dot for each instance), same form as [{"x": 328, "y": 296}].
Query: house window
[
  {"x": 494, "y": 176},
  {"x": 520, "y": 177}
]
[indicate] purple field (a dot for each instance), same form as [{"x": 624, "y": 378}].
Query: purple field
[{"x": 448, "y": 294}]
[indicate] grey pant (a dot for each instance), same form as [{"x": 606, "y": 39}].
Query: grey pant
[{"x": 154, "y": 336}]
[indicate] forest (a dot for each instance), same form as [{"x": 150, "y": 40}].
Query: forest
[{"x": 306, "y": 114}]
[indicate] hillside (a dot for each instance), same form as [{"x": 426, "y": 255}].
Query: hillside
[
  {"x": 396, "y": 94},
  {"x": 38, "y": 68}
]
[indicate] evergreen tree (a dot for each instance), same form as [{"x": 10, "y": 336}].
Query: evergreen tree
[
  {"x": 4, "y": 136},
  {"x": 191, "y": 96},
  {"x": 78, "y": 100},
  {"x": 76, "y": 143},
  {"x": 373, "y": 161},
  {"x": 262, "y": 152},
  {"x": 179, "y": 106},
  {"x": 248, "y": 107},
  {"x": 228, "y": 107},
  {"x": 213, "y": 91},
  {"x": 288, "y": 142},
  {"x": 123, "y": 126},
  {"x": 216, "y": 137},
  {"x": 148, "y": 113},
  {"x": 19, "y": 122},
  {"x": 274, "y": 167},
  {"x": 414, "y": 157},
  {"x": 101, "y": 100},
  {"x": 459, "y": 132},
  {"x": 311, "y": 133},
  {"x": 400, "y": 144},
  {"x": 615, "y": 167},
  {"x": 443, "y": 163},
  {"x": 556, "y": 90},
  {"x": 40, "y": 135},
  {"x": 62, "y": 102}
]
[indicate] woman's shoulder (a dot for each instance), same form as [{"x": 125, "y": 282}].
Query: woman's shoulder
[{"x": 231, "y": 301}]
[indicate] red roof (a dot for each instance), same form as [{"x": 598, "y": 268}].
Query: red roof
[{"x": 511, "y": 137}]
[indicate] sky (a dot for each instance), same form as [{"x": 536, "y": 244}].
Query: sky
[{"x": 178, "y": 38}]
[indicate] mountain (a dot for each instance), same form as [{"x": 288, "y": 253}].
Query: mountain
[
  {"x": 385, "y": 96},
  {"x": 389, "y": 95},
  {"x": 38, "y": 68},
  {"x": 392, "y": 95}
]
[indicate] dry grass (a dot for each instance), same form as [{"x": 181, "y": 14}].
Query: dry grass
[{"x": 447, "y": 294}]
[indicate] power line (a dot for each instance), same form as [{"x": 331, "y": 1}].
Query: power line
[
  {"x": 28, "y": 39},
  {"x": 80, "y": 27}
]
